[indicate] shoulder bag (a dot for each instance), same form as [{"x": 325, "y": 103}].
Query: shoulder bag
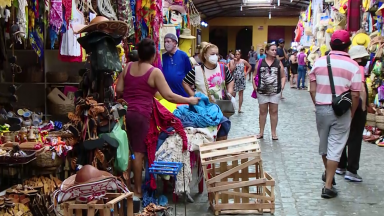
[
  {"x": 226, "y": 106},
  {"x": 342, "y": 103}
]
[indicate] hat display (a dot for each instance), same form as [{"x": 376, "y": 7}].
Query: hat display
[
  {"x": 102, "y": 24},
  {"x": 314, "y": 49},
  {"x": 361, "y": 39},
  {"x": 358, "y": 51},
  {"x": 186, "y": 34}
]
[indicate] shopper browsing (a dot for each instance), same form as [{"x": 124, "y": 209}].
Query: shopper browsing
[{"x": 350, "y": 164}]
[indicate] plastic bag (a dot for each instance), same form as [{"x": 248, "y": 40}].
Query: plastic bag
[{"x": 122, "y": 154}]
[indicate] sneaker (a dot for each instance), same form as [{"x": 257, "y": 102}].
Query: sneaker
[
  {"x": 353, "y": 177},
  {"x": 328, "y": 193},
  {"x": 340, "y": 171},
  {"x": 324, "y": 180}
]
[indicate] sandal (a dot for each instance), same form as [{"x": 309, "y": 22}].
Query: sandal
[
  {"x": 260, "y": 136},
  {"x": 274, "y": 138}
]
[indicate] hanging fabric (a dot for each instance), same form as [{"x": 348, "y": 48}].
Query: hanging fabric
[
  {"x": 56, "y": 14},
  {"x": 70, "y": 49},
  {"x": 22, "y": 17}
]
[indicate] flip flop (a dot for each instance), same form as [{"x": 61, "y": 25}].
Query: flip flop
[
  {"x": 274, "y": 138},
  {"x": 241, "y": 111},
  {"x": 259, "y": 136}
]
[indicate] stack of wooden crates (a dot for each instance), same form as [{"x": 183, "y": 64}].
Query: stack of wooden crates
[{"x": 235, "y": 179}]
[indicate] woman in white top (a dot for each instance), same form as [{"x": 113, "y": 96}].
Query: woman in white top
[{"x": 211, "y": 74}]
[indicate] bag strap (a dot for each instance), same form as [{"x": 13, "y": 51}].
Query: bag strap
[
  {"x": 332, "y": 84},
  {"x": 206, "y": 84}
]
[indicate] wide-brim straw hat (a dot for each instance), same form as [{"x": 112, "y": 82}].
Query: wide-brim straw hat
[
  {"x": 102, "y": 24},
  {"x": 186, "y": 34},
  {"x": 361, "y": 39}
]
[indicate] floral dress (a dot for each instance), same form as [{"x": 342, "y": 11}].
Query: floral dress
[{"x": 238, "y": 75}]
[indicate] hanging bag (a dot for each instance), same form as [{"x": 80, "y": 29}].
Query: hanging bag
[
  {"x": 226, "y": 105},
  {"x": 342, "y": 103}
]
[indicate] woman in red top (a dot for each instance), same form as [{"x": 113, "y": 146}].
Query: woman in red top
[{"x": 137, "y": 85}]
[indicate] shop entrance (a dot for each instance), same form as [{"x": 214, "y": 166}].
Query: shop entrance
[
  {"x": 244, "y": 41},
  {"x": 219, "y": 37}
]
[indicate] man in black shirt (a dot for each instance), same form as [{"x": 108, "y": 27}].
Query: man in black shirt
[{"x": 283, "y": 57}]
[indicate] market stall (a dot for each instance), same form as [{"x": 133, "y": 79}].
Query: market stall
[
  {"x": 363, "y": 19},
  {"x": 78, "y": 129}
]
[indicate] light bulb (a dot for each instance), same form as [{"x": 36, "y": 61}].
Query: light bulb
[
  {"x": 274, "y": 6},
  {"x": 269, "y": 15},
  {"x": 241, "y": 8},
  {"x": 278, "y": 2}
]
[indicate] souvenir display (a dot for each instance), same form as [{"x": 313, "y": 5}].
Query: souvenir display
[{"x": 76, "y": 147}]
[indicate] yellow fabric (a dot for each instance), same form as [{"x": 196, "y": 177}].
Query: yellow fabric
[
  {"x": 185, "y": 45},
  {"x": 168, "y": 105},
  {"x": 309, "y": 10},
  {"x": 323, "y": 49},
  {"x": 4, "y": 3}
]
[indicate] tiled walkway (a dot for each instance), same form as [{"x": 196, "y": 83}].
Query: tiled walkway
[{"x": 295, "y": 164}]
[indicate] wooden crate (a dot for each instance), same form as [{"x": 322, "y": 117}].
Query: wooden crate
[
  {"x": 113, "y": 207},
  {"x": 235, "y": 179}
]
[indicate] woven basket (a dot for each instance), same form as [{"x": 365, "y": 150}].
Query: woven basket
[
  {"x": 35, "y": 74},
  {"x": 57, "y": 77},
  {"x": 379, "y": 119},
  {"x": 75, "y": 79},
  {"x": 60, "y": 109},
  {"x": 44, "y": 159},
  {"x": 371, "y": 117},
  {"x": 371, "y": 123},
  {"x": 380, "y": 126},
  {"x": 60, "y": 134}
]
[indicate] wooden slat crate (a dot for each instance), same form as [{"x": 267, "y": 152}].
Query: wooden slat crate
[
  {"x": 114, "y": 206},
  {"x": 235, "y": 179}
]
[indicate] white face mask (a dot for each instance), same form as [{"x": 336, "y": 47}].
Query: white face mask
[{"x": 213, "y": 59}]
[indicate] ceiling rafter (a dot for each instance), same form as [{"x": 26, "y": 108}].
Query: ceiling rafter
[{"x": 231, "y": 8}]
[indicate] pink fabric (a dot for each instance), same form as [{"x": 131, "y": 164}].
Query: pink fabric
[
  {"x": 68, "y": 9},
  {"x": 56, "y": 14},
  {"x": 346, "y": 76},
  {"x": 254, "y": 94}
]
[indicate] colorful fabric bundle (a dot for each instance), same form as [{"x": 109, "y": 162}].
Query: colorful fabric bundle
[
  {"x": 68, "y": 10},
  {"x": 353, "y": 16},
  {"x": 161, "y": 120}
]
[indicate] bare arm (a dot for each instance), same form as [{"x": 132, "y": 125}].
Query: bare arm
[
  {"x": 232, "y": 65},
  {"x": 249, "y": 67},
  {"x": 230, "y": 87},
  {"x": 120, "y": 83},
  {"x": 312, "y": 91},
  {"x": 188, "y": 89},
  {"x": 282, "y": 75},
  {"x": 355, "y": 101},
  {"x": 165, "y": 91}
]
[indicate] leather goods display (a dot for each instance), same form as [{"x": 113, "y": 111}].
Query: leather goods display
[
  {"x": 89, "y": 183},
  {"x": 342, "y": 103}
]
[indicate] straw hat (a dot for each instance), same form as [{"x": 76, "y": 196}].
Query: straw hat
[
  {"x": 378, "y": 12},
  {"x": 361, "y": 39},
  {"x": 314, "y": 49},
  {"x": 102, "y": 24},
  {"x": 358, "y": 51},
  {"x": 186, "y": 34}
]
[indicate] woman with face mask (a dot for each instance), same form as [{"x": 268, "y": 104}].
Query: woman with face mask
[
  {"x": 212, "y": 75},
  {"x": 237, "y": 66},
  {"x": 137, "y": 85}
]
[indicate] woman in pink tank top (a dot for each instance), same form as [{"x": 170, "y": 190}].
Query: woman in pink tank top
[{"x": 138, "y": 84}]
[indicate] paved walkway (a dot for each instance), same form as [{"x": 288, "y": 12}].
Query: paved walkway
[{"x": 295, "y": 164}]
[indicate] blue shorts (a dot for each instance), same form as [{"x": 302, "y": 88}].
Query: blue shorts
[{"x": 253, "y": 66}]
